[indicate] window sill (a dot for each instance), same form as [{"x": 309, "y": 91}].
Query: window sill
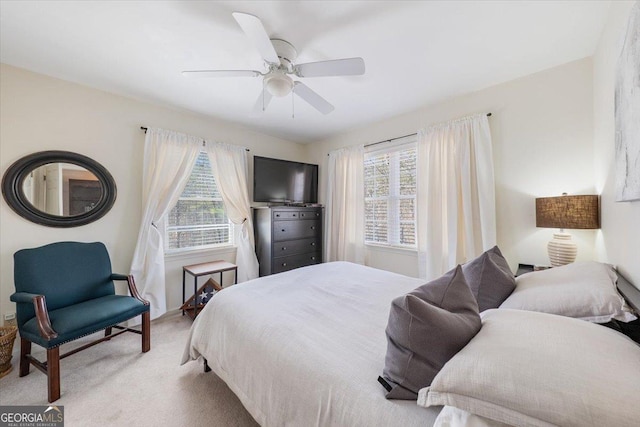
[
  {"x": 389, "y": 248},
  {"x": 195, "y": 253}
]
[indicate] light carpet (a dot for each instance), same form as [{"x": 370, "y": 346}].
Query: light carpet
[{"x": 114, "y": 384}]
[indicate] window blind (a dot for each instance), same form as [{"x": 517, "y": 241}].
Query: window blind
[
  {"x": 198, "y": 218},
  {"x": 390, "y": 196}
]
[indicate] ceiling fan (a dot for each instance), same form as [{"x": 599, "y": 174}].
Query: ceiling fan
[{"x": 279, "y": 56}]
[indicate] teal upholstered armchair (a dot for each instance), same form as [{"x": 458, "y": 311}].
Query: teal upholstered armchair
[{"x": 65, "y": 291}]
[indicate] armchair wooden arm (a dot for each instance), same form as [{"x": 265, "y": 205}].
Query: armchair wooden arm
[
  {"x": 133, "y": 290},
  {"x": 42, "y": 315}
]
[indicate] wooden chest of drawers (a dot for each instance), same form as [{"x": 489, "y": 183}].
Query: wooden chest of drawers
[{"x": 287, "y": 237}]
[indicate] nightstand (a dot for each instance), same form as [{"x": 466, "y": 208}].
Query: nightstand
[
  {"x": 523, "y": 269},
  {"x": 528, "y": 268}
]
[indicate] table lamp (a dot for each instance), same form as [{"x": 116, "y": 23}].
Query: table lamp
[{"x": 576, "y": 212}]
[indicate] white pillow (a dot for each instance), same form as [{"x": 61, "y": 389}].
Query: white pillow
[
  {"x": 450, "y": 416},
  {"x": 537, "y": 369},
  {"x": 583, "y": 290}
]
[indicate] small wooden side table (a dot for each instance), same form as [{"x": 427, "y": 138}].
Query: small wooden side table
[{"x": 203, "y": 269}]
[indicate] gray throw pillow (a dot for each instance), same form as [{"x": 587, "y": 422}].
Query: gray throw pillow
[
  {"x": 426, "y": 328},
  {"x": 489, "y": 278}
]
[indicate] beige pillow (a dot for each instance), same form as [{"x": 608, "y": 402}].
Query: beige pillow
[
  {"x": 527, "y": 368},
  {"x": 584, "y": 290}
]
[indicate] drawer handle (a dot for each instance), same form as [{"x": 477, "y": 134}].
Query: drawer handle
[
  {"x": 284, "y": 264},
  {"x": 317, "y": 214},
  {"x": 284, "y": 248},
  {"x": 294, "y": 215},
  {"x": 313, "y": 243},
  {"x": 313, "y": 227},
  {"x": 277, "y": 215},
  {"x": 313, "y": 258},
  {"x": 283, "y": 229}
]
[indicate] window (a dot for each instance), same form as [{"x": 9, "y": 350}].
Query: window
[
  {"x": 390, "y": 196},
  {"x": 198, "y": 219}
]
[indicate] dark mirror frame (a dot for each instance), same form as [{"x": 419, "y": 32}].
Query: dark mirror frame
[{"x": 15, "y": 175}]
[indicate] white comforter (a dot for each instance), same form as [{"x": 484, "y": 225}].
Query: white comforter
[{"x": 305, "y": 347}]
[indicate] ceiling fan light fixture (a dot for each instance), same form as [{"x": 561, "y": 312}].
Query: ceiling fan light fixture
[{"x": 278, "y": 84}]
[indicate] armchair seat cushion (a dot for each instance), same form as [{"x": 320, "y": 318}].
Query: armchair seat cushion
[{"x": 84, "y": 318}]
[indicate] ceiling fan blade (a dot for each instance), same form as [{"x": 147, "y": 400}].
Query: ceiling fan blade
[
  {"x": 205, "y": 74},
  {"x": 315, "y": 100},
  {"x": 260, "y": 105},
  {"x": 253, "y": 28},
  {"x": 336, "y": 67}
]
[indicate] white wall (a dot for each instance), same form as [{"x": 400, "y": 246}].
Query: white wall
[
  {"x": 542, "y": 129},
  {"x": 545, "y": 139},
  {"x": 620, "y": 240},
  {"x": 41, "y": 113}
]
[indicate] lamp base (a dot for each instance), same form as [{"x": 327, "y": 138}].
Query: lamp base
[{"x": 561, "y": 249}]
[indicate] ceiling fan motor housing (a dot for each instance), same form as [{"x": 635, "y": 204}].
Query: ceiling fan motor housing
[{"x": 286, "y": 52}]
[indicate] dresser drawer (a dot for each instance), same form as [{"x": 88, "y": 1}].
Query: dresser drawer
[
  {"x": 285, "y": 215},
  {"x": 290, "y": 230},
  {"x": 293, "y": 247},
  {"x": 309, "y": 214},
  {"x": 287, "y": 263}
]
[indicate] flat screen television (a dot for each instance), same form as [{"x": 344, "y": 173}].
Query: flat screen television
[{"x": 283, "y": 181}]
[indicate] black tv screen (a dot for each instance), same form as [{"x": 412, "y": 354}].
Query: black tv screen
[{"x": 282, "y": 181}]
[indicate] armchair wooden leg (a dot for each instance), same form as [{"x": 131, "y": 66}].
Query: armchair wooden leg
[
  {"x": 146, "y": 332},
  {"x": 53, "y": 373},
  {"x": 25, "y": 350},
  {"x": 107, "y": 332}
]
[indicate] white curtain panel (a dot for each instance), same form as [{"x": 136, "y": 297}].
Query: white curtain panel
[
  {"x": 229, "y": 164},
  {"x": 168, "y": 160},
  {"x": 456, "y": 194},
  {"x": 345, "y": 205}
]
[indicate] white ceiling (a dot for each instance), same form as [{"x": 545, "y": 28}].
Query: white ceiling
[{"x": 416, "y": 53}]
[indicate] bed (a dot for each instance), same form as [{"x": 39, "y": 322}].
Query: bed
[{"x": 304, "y": 348}]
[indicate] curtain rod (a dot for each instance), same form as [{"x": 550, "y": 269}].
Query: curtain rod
[
  {"x": 203, "y": 141},
  {"x": 400, "y": 137}
]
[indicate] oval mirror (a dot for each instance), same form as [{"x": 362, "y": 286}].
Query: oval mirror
[{"x": 59, "y": 188}]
